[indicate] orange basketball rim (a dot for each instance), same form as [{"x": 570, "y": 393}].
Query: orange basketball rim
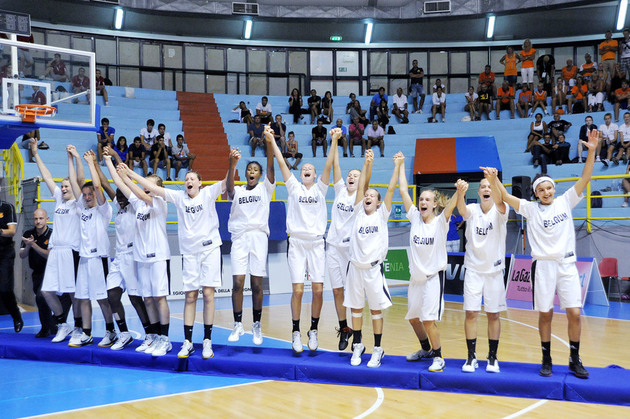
[{"x": 30, "y": 112}]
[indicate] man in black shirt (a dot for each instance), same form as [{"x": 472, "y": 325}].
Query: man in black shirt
[
  {"x": 319, "y": 137},
  {"x": 159, "y": 157},
  {"x": 279, "y": 130},
  {"x": 8, "y": 224},
  {"x": 315, "y": 105},
  {"x": 558, "y": 126},
  {"x": 416, "y": 87}
]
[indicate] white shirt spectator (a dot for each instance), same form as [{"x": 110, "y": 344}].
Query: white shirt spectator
[
  {"x": 149, "y": 137},
  {"x": 400, "y": 101},
  {"x": 435, "y": 86},
  {"x": 380, "y": 132},
  {"x": 438, "y": 100},
  {"x": 266, "y": 108},
  {"x": 609, "y": 131},
  {"x": 182, "y": 152},
  {"x": 475, "y": 96},
  {"x": 624, "y": 132}
]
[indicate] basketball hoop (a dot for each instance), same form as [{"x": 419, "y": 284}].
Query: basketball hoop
[{"x": 29, "y": 112}]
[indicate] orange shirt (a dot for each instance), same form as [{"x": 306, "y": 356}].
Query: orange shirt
[
  {"x": 486, "y": 79},
  {"x": 525, "y": 97},
  {"x": 588, "y": 68},
  {"x": 528, "y": 58},
  {"x": 510, "y": 65},
  {"x": 609, "y": 55},
  {"x": 620, "y": 92},
  {"x": 540, "y": 95},
  {"x": 569, "y": 74},
  {"x": 579, "y": 92},
  {"x": 504, "y": 95}
]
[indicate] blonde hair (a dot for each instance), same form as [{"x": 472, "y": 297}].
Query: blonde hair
[
  {"x": 158, "y": 180},
  {"x": 441, "y": 199}
]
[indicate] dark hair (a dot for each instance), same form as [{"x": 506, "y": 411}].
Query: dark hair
[
  {"x": 179, "y": 136},
  {"x": 381, "y": 88},
  {"x": 327, "y": 92},
  {"x": 121, "y": 198},
  {"x": 264, "y": 97},
  {"x": 150, "y": 122},
  {"x": 256, "y": 163},
  {"x": 137, "y": 139},
  {"x": 291, "y": 132},
  {"x": 118, "y": 143},
  {"x": 88, "y": 184},
  {"x": 105, "y": 120},
  {"x": 159, "y": 137},
  {"x": 161, "y": 126}
]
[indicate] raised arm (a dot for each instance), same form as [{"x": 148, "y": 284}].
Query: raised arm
[
  {"x": 496, "y": 192},
  {"x": 389, "y": 195},
  {"x": 403, "y": 186},
  {"x": 124, "y": 171},
  {"x": 104, "y": 181},
  {"x": 96, "y": 179},
  {"x": 43, "y": 170},
  {"x": 120, "y": 184},
  {"x": 80, "y": 169},
  {"x": 150, "y": 186},
  {"x": 72, "y": 174},
  {"x": 490, "y": 173},
  {"x": 286, "y": 173},
  {"x": 229, "y": 180},
  {"x": 587, "y": 172},
  {"x": 450, "y": 205},
  {"x": 331, "y": 155},
  {"x": 336, "y": 167},
  {"x": 461, "y": 199},
  {"x": 271, "y": 171},
  {"x": 364, "y": 179}
]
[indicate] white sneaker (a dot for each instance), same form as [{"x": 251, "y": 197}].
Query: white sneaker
[
  {"x": 417, "y": 356},
  {"x": 154, "y": 344},
  {"x": 257, "y": 334},
  {"x": 377, "y": 354},
  {"x": 148, "y": 342},
  {"x": 437, "y": 365},
  {"x": 357, "y": 350},
  {"x": 471, "y": 365},
  {"x": 624, "y": 205},
  {"x": 82, "y": 340},
  {"x": 63, "y": 330},
  {"x": 124, "y": 339},
  {"x": 187, "y": 349},
  {"x": 237, "y": 332},
  {"x": 207, "y": 352},
  {"x": 109, "y": 339},
  {"x": 76, "y": 335},
  {"x": 493, "y": 365},
  {"x": 312, "y": 340},
  {"x": 163, "y": 347},
  {"x": 297, "y": 342},
  {"x": 598, "y": 158}
]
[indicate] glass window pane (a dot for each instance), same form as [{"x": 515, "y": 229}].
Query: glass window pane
[
  {"x": 398, "y": 63},
  {"x": 129, "y": 53},
  {"x": 321, "y": 63},
  {"x": 378, "y": 62},
  {"x": 297, "y": 62},
  {"x": 458, "y": 85},
  {"x": 278, "y": 61},
  {"x": 195, "y": 82},
  {"x": 169, "y": 80},
  {"x": 439, "y": 62},
  {"x": 561, "y": 55},
  {"x": 376, "y": 83},
  {"x": 459, "y": 62},
  {"x": 82, "y": 44},
  {"x": 478, "y": 61},
  {"x": 105, "y": 51},
  {"x": 580, "y": 51},
  {"x": 172, "y": 56},
  {"x": 151, "y": 55},
  {"x": 151, "y": 80},
  {"x": 194, "y": 57},
  {"x": 347, "y": 63},
  {"x": 215, "y": 84},
  {"x": 322, "y": 86},
  {"x": 214, "y": 59},
  {"x": 257, "y": 85},
  {"x": 495, "y": 62},
  {"x": 394, "y": 84},
  {"x": 236, "y": 59},
  {"x": 278, "y": 86},
  {"x": 345, "y": 87},
  {"x": 58, "y": 40},
  {"x": 257, "y": 60},
  {"x": 294, "y": 82},
  {"x": 129, "y": 77}
]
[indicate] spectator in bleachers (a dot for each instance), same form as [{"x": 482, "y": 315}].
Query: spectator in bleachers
[
  {"x": 606, "y": 78},
  {"x": 256, "y": 138},
  {"x": 343, "y": 139},
  {"x": 327, "y": 108},
  {"x": 182, "y": 157},
  {"x": 577, "y": 100},
  {"x": 292, "y": 152},
  {"x": 472, "y": 103},
  {"x": 524, "y": 101},
  {"x": 527, "y": 56},
  {"x": 400, "y": 106},
  {"x": 279, "y": 130},
  {"x": 487, "y": 78},
  {"x": 438, "y": 83},
  {"x": 136, "y": 156},
  {"x": 509, "y": 61},
  {"x": 558, "y": 126},
  {"x": 375, "y": 135},
  {"x": 6, "y": 72},
  {"x": 624, "y": 139},
  {"x": 542, "y": 152},
  {"x": 100, "y": 87},
  {"x": 295, "y": 105},
  {"x": 166, "y": 135},
  {"x": 160, "y": 157},
  {"x": 148, "y": 134},
  {"x": 585, "y": 130},
  {"x": 38, "y": 97},
  {"x": 244, "y": 114},
  {"x": 80, "y": 83},
  {"x": 376, "y": 101},
  {"x": 559, "y": 94},
  {"x": 104, "y": 138},
  {"x": 596, "y": 90},
  {"x": 621, "y": 98},
  {"x": 540, "y": 99},
  {"x": 624, "y": 52},
  {"x": 356, "y": 131},
  {"x": 26, "y": 143},
  {"x": 485, "y": 101},
  {"x": 382, "y": 113},
  {"x": 439, "y": 104},
  {"x": 608, "y": 138},
  {"x": 561, "y": 150},
  {"x": 263, "y": 109},
  {"x": 546, "y": 69},
  {"x": 357, "y": 112},
  {"x": 56, "y": 70},
  {"x": 588, "y": 68},
  {"x": 416, "y": 86},
  {"x": 537, "y": 130},
  {"x": 569, "y": 73},
  {"x": 314, "y": 105},
  {"x": 350, "y": 104},
  {"x": 505, "y": 99},
  {"x": 122, "y": 151},
  {"x": 608, "y": 51},
  {"x": 319, "y": 137}
]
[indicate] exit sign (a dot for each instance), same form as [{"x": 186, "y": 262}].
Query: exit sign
[{"x": 336, "y": 38}]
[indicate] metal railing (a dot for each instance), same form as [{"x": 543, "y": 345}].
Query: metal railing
[{"x": 13, "y": 171}]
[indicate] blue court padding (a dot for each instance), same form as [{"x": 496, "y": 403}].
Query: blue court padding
[{"x": 473, "y": 152}]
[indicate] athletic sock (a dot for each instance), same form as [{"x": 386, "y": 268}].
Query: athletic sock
[
  {"x": 147, "y": 328},
  {"x": 437, "y": 353},
  {"x": 257, "y": 315},
  {"x": 546, "y": 351},
  {"x": 377, "y": 339},
  {"x": 155, "y": 328},
  {"x": 472, "y": 347},
  {"x": 296, "y": 325},
  {"x": 493, "y": 345},
  {"x": 122, "y": 325},
  {"x": 87, "y": 332},
  {"x": 238, "y": 316},
  {"x": 207, "y": 331},
  {"x": 59, "y": 319},
  {"x": 343, "y": 324},
  {"x": 164, "y": 329},
  {"x": 314, "y": 323},
  {"x": 188, "y": 333},
  {"x": 356, "y": 336},
  {"x": 426, "y": 345},
  {"x": 575, "y": 351},
  {"x": 78, "y": 322},
  {"x": 110, "y": 327}
]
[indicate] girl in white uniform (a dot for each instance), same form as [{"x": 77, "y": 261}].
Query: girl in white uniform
[
  {"x": 249, "y": 226},
  {"x": 93, "y": 251},
  {"x": 200, "y": 245},
  {"x": 369, "y": 239},
  {"x": 427, "y": 240},
  {"x": 63, "y": 259},
  {"x": 485, "y": 264},
  {"x": 338, "y": 241},
  {"x": 552, "y": 239},
  {"x": 152, "y": 254},
  {"x": 306, "y": 225}
]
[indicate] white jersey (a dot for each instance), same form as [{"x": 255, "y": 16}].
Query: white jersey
[
  {"x": 306, "y": 213},
  {"x": 149, "y": 137},
  {"x": 485, "y": 239},
  {"x": 369, "y": 238},
  {"x": 125, "y": 224},
  {"x": 94, "y": 223},
  {"x": 341, "y": 216},
  {"x": 624, "y": 132},
  {"x": 250, "y": 208},
  {"x": 608, "y": 131},
  {"x": 150, "y": 243},
  {"x": 550, "y": 227},
  {"x": 198, "y": 228},
  {"x": 427, "y": 243},
  {"x": 66, "y": 228}
]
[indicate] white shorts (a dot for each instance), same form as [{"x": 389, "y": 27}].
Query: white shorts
[
  {"x": 250, "y": 249},
  {"x": 337, "y": 259},
  {"x": 367, "y": 282},
  {"x": 154, "y": 278},
  {"x": 426, "y": 298},
  {"x": 60, "y": 275},
  {"x": 92, "y": 279},
  {"x": 202, "y": 269},
  {"x": 490, "y": 285},
  {"x": 549, "y": 277},
  {"x": 123, "y": 273},
  {"x": 306, "y": 257},
  {"x": 527, "y": 74}
]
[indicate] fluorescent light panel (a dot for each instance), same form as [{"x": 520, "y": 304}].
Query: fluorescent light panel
[
  {"x": 118, "y": 20},
  {"x": 248, "y": 28},
  {"x": 368, "y": 32},
  {"x": 490, "y": 32},
  {"x": 621, "y": 17}
]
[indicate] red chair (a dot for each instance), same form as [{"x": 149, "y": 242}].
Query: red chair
[{"x": 608, "y": 269}]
